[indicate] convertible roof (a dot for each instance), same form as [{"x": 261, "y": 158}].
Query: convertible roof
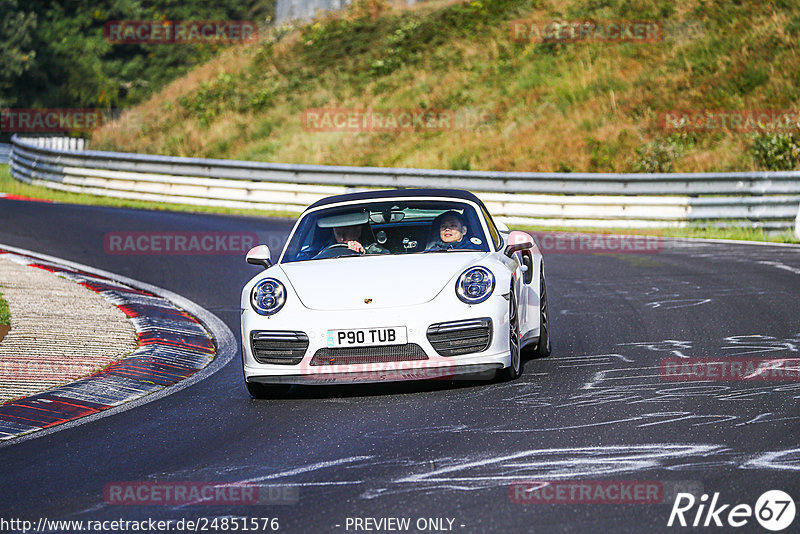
[{"x": 457, "y": 194}]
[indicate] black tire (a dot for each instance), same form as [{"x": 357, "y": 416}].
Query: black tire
[
  {"x": 266, "y": 391},
  {"x": 543, "y": 346},
  {"x": 515, "y": 368}
]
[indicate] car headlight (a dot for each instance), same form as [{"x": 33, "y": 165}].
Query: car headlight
[
  {"x": 268, "y": 296},
  {"x": 475, "y": 285}
]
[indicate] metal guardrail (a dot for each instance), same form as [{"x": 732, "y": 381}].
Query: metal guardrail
[
  {"x": 765, "y": 199},
  {"x": 5, "y": 152}
]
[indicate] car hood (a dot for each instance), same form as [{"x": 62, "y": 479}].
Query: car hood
[{"x": 386, "y": 281}]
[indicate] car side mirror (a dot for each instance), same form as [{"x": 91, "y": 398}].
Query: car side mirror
[
  {"x": 259, "y": 255},
  {"x": 518, "y": 241},
  {"x": 501, "y": 227}
]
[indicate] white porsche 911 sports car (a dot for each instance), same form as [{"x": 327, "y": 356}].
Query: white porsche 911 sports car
[{"x": 393, "y": 285}]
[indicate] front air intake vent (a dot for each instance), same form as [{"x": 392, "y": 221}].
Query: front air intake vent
[
  {"x": 278, "y": 347},
  {"x": 460, "y": 337}
]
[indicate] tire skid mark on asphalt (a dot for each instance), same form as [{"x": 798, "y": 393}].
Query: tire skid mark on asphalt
[
  {"x": 275, "y": 479},
  {"x": 638, "y": 390},
  {"x": 674, "y": 304},
  {"x": 765, "y": 418},
  {"x": 779, "y": 265},
  {"x": 785, "y": 460},
  {"x": 485, "y": 472},
  {"x": 761, "y": 344},
  {"x": 592, "y": 360},
  {"x": 481, "y": 473},
  {"x": 673, "y": 346},
  {"x": 669, "y": 294},
  {"x": 173, "y": 345},
  {"x": 307, "y": 469},
  {"x": 634, "y": 376}
]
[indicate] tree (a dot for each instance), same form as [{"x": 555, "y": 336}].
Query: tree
[{"x": 17, "y": 54}]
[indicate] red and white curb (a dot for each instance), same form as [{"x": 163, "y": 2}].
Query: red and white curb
[
  {"x": 179, "y": 342},
  {"x": 26, "y": 199}
]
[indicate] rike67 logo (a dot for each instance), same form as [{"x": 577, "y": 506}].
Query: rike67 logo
[{"x": 774, "y": 510}]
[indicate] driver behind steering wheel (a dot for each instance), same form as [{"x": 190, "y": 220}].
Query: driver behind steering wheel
[{"x": 352, "y": 236}]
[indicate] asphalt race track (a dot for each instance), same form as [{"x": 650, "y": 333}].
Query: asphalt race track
[{"x": 597, "y": 409}]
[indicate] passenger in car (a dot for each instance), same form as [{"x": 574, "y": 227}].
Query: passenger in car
[{"x": 452, "y": 233}]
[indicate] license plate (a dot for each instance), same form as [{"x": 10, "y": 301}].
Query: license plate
[{"x": 367, "y": 337}]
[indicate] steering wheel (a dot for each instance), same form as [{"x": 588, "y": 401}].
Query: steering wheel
[{"x": 336, "y": 250}]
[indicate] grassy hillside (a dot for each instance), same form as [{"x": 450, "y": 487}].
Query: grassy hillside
[{"x": 518, "y": 106}]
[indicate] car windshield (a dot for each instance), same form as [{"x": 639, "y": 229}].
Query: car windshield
[{"x": 387, "y": 228}]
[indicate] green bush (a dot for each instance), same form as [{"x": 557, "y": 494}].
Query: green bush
[
  {"x": 601, "y": 155},
  {"x": 226, "y": 92},
  {"x": 210, "y": 99},
  {"x": 656, "y": 156},
  {"x": 401, "y": 48},
  {"x": 750, "y": 78},
  {"x": 776, "y": 152},
  {"x": 793, "y": 28}
]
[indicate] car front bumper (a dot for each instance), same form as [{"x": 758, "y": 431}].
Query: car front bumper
[{"x": 416, "y": 319}]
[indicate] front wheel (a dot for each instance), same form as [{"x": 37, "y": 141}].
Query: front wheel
[
  {"x": 266, "y": 391},
  {"x": 514, "y": 368}
]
